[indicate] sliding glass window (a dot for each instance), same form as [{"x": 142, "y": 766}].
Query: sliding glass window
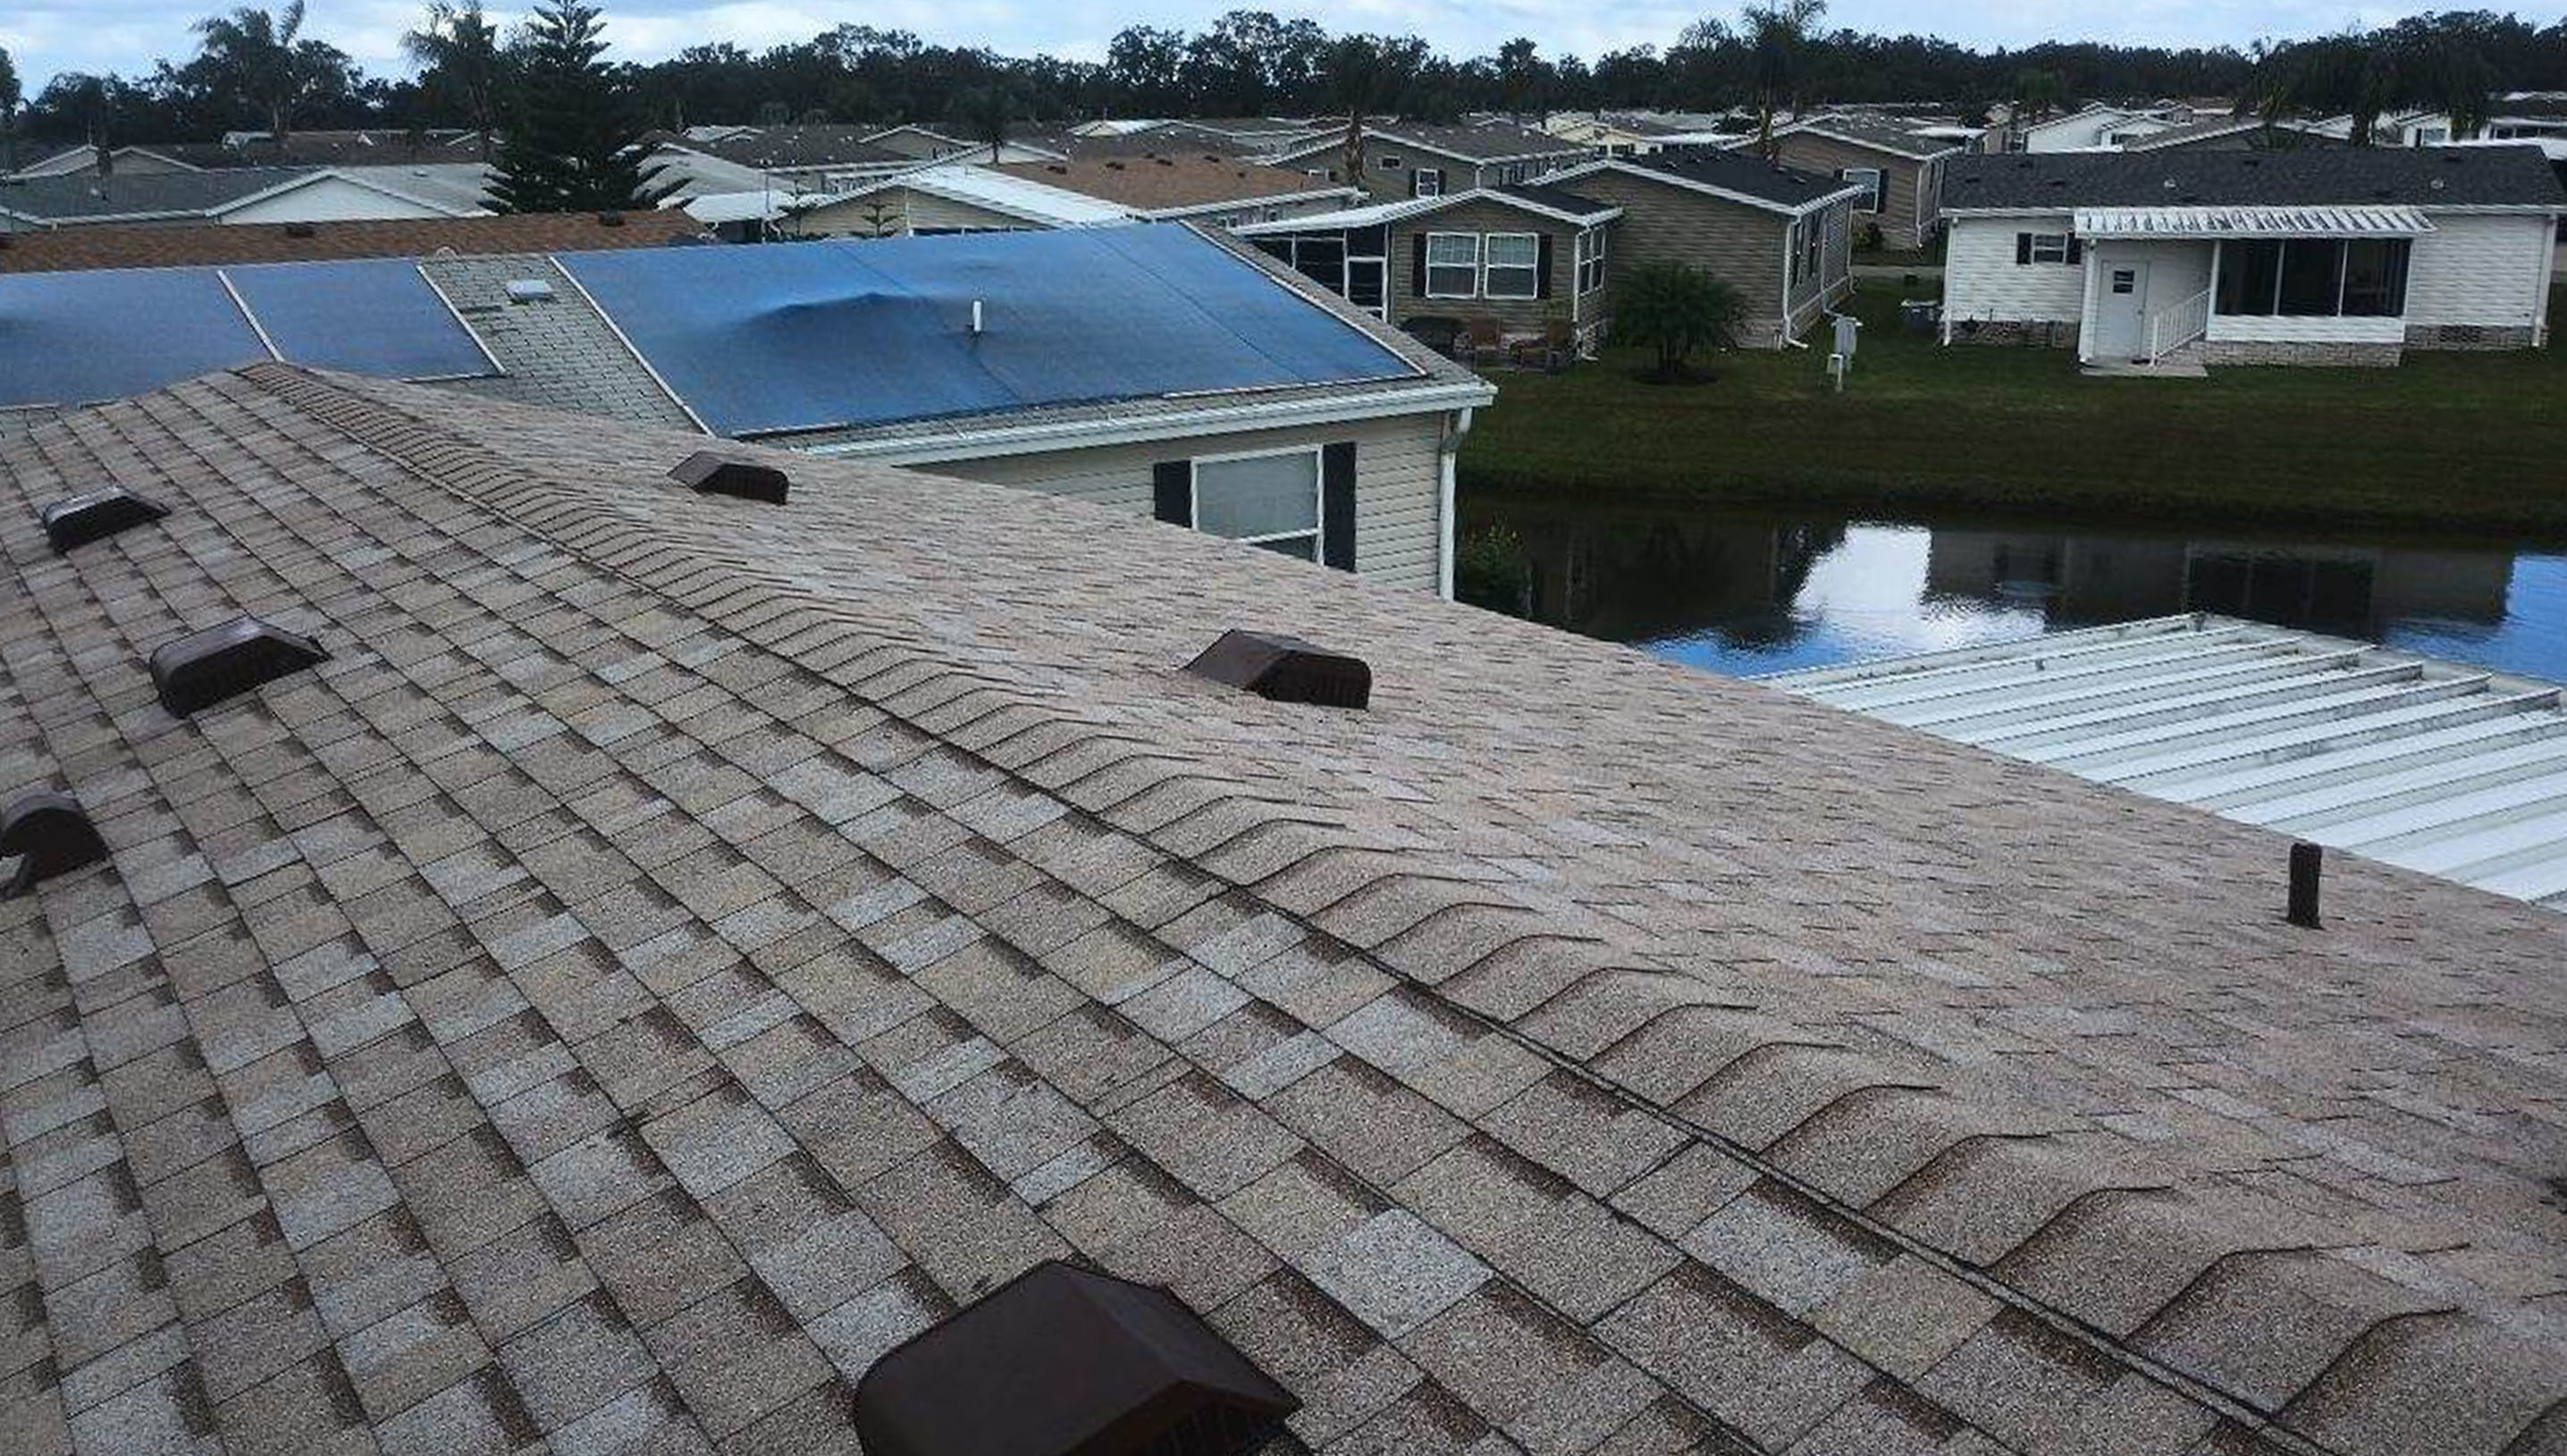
[{"x": 2314, "y": 277}]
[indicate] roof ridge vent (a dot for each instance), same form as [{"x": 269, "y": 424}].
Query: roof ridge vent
[
  {"x": 202, "y": 668},
  {"x": 50, "y": 834},
  {"x": 1066, "y": 1361},
  {"x": 708, "y": 472},
  {"x": 95, "y": 515},
  {"x": 1286, "y": 670}
]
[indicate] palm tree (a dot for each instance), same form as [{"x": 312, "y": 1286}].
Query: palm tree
[
  {"x": 255, "y": 52},
  {"x": 11, "y": 94},
  {"x": 1778, "y": 31},
  {"x": 1364, "y": 72},
  {"x": 457, "y": 52}
]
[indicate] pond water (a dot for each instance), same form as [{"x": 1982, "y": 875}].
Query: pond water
[{"x": 1742, "y": 593}]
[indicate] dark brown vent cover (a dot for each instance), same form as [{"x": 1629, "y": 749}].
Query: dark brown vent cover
[
  {"x": 49, "y": 835},
  {"x": 715, "y": 474},
  {"x": 93, "y": 515},
  {"x": 1064, "y": 1361},
  {"x": 202, "y": 668},
  {"x": 1286, "y": 669}
]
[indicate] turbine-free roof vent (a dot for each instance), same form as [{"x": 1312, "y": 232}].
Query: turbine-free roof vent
[
  {"x": 1286, "y": 669},
  {"x": 49, "y": 835},
  {"x": 202, "y": 668},
  {"x": 709, "y": 473},
  {"x": 95, "y": 515},
  {"x": 1064, "y": 1361}
]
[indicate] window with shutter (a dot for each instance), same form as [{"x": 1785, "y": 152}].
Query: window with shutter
[{"x": 1270, "y": 499}]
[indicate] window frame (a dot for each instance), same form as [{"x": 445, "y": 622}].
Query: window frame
[
  {"x": 1317, "y": 534},
  {"x": 1878, "y": 195},
  {"x": 1531, "y": 269},
  {"x": 1431, "y": 265},
  {"x": 1591, "y": 255},
  {"x": 1388, "y": 161},
  {"x": 1426, "y": 181},
  {"x": 2234, "y": 264},
  {"x": 2038, "y": 239}
]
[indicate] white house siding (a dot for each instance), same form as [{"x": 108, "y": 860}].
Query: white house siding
[
  {"x": 1397, "y": 481},
  {"x": 1984, "y": 286},
  {"x": 904, "y": 211},
  {"x": 2486, "y": 272},
  {"x": 2177, "y": 271},
  {"x": 330, "y": 199}
]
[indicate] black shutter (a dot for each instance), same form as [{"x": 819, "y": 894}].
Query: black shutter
[
  {"x": 1172, "y": 484},
  {"x": 1542, "y": 278},
  {"x": 1337, "y": 506},
  {"x": 2023, "y": 247},
  {"x": 2076, "y": 249},
  {"x": 1417, "y": 265}
]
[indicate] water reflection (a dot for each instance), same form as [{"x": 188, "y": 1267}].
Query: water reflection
[{"x": 1748, "y": 593}]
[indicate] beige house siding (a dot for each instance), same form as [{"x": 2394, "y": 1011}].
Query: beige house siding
[
  {"x": 1901, "y": 223},
  {"x": 1813, "y": 293},
  {"x": 1664, "y": 222},
  {"x": 906, "y": 211},
  {"x": 1398, "y": 481},
  {"x": 1519, "y": 314}
]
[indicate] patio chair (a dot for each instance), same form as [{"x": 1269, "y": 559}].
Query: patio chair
[{"x": 1482, "y": 340}]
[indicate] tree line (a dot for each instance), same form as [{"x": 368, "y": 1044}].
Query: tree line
[{"x": 255, "y": 70}]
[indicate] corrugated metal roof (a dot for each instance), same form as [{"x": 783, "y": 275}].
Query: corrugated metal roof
[
  {"x": 2433, "y": 766},
  {"x": 2206, "y": 222}
]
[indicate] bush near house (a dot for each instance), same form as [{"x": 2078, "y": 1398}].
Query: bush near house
[
  {"x": 2446, "y": 442},
  {"x": 1678, "y": 311}
]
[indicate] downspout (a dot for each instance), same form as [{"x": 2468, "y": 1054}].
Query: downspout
[
  {"x": 1448, "y": 449},
  {"x": 2542, "y": 277}
]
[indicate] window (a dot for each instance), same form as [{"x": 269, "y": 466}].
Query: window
[
  {"x": 2126, "y": 281},
  {"x": 1452, "y": 265},
  {"x": 1808, "y": 243},
  {"x": 1590, "y": 259},
  {"x": 1869, "y": 177},
  {"x": 1387, "y": 164},
  {"x": 1269, "y": 500},
  {"x": 2313, "y": 277},
  {"x": 2432, "y": 136},
  {"x": 1426, "y": 181},
  {"x": 1515, "y": 265},
  {"x": 2049, "y": 247}
]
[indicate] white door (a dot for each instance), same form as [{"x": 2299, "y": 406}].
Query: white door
[{"x": 2121, "y": 315}]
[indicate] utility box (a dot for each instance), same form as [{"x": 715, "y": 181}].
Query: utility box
[{"x": 1846, "y": 327}]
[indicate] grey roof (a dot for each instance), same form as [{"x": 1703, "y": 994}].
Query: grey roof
[
  {"x": 2286, "y": 132},
  {"x": 2415, "y": 176},
  {"x": 385, "y": 147},
  {"x": 81, "y": 195},
  {"x": 1879, "y": 133},
  {"x": 1482, "y": 142},
  {"x": 1558, "y": 199},
  {"x": 676, "y": 949},
  {"x": 1736, "y": 171},
  {"x": 797, "y": 147}
]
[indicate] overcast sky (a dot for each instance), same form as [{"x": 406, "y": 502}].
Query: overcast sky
[{"x": 48, "y": 36}]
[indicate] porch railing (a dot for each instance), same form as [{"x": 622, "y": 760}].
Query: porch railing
[{"x": 2171, "y": 328}]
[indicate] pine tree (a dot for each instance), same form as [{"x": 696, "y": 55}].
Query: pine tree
[{"x": 569, "y": 146}]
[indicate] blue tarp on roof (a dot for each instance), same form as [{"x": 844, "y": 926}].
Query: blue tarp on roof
[
  {"x": 373, "y": 316},
  {"x": 78, "y": 338},
  {"x": 808, "y": 336}
]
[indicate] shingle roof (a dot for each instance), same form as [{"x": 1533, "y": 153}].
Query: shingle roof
[
  {"x": 145, "y": 247},
  {"x": 2415, "y": 176},
  {"x": 327, "y": 148},
  {"x": 80, "y": 196},
  {"x": 675, "y": 948},
  {"x": 1480, "y": 141},
  {"x": 798, "y": 146},
  {"x": 1876, "y": 133},
  {"x": 1730, "y": 171},
  {"x": 1156, "y": 181}
]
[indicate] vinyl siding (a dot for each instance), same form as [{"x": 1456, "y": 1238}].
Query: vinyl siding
[
  {"x": 2479, "y": 269},
  {"x": 1666, "y": 223},
  {"x": 1835, "y": 278},
  {"x": 1397, "y": 483},
  {"x": 1982, "y": 281},
  {"x": 906, "y": 210},
  {"x": 1901, "y": 226},
  {"x": 330, "y": 201},
  {"x": 2177, "y": 271},
  {"x": 1517, "y": 315}
]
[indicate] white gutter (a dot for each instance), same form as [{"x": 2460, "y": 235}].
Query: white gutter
[
  {"x": 1449, "y": 450},
  {"x": 1034, "y": 438},
  {"x": 2540, "y": 283}
]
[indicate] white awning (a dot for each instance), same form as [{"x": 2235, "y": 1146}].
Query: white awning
[{"x": 2209, "y": 222}]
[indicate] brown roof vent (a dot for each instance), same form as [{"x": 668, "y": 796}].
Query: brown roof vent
[
  {"x": 609, "y": 218},
  {"x": 202, "y": 668},
  {"x": 1064, "y": 1361},
  {"x": 1286, "y": 669},
  {"x": 299, "y": 230},
  {"x": 95, "y": 515},
  {"x": 49, "y": 835},
  {"x": 709, "y": 473}
]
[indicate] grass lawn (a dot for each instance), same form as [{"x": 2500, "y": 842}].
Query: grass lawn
[{"x": 2450, "y": 443}]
